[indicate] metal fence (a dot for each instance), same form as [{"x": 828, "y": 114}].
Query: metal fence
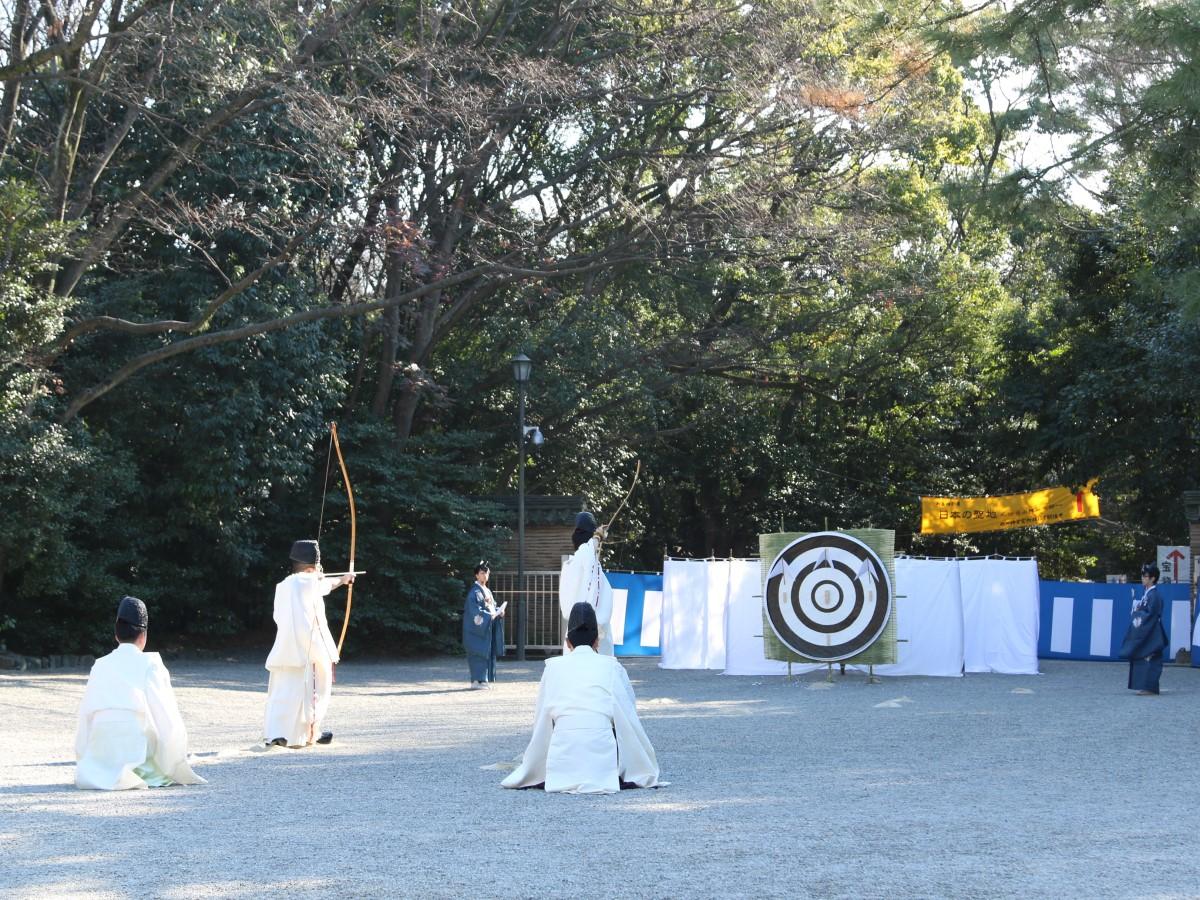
[{"x": 543, "y": 621}]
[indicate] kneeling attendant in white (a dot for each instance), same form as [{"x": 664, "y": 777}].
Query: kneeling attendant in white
[
  {"x": 131, "y": 734},
  {"x": 301, "y": 661},
  {"x": 587, "y": 738}
]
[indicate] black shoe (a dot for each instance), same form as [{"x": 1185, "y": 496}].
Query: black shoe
[
  {"x": 325, "y": 738},
  {"x": 277, "y": 742}
]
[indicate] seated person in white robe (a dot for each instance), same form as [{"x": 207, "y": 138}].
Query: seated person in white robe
[
  {"x": 302, "y": 659},
  {"x": 130, "y": 733},
  {"x": 582, "y": 579},
  {"x": 587, "y": 738}
]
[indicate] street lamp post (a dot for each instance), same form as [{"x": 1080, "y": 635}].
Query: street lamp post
[{"x": 522, "y": 366}]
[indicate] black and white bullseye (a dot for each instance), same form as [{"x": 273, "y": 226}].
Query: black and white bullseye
[{"x": 828, "y": 596}]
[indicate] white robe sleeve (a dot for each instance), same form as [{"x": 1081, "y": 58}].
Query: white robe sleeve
[
  {"x": 582, "y": 580},
  {"x": 170, "y": 750},
  {"x": 326, "y": 636},
  {"x": 532, "y": 769},
  {"x": 288, "y": 612},
  {"x": 604, "y": 610},
  {"x": 635, "y": 755},
  {"x": 86, "y": 707},
  {"x": 570, "y": 583}
]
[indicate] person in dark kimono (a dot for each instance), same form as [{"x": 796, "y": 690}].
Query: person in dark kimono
[
  {"x": 483, "y": 630},
  {"x": 1144, "y": 642}
]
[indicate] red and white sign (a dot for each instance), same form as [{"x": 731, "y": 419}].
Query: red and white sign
[{"x": 1174, "y": 565}]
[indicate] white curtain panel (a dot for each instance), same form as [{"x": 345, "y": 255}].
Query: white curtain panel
[
  {"x": 929, "y": 622},
  {"x": 980, "y": 615},
  {"x": 1181, "y": 626},
  {"x": 719, "y": 575},
  {"x": 1000, "y": 615},
  {"x": 744, "y": 623},
  {"x": 929, "y": 619},
  {"x": 693, "y": 615}
]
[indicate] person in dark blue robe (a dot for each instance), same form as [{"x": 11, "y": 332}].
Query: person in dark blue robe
[
  {"x": 483, "y": 630},
  {"x": 497, "y": 640},
  {"x": 1146, "y": 639}
]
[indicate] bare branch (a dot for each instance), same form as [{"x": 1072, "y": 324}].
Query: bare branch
[{"x": 49, "y": 354}]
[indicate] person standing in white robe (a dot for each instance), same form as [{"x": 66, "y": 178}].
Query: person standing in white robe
[
  {"x": 587, "y": 738},
  {"x": 302, "y": 659},
  {"x": 582, "y": 579},
  {"x": 130, "y": 732}
]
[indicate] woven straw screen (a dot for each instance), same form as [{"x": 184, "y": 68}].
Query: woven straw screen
[{"x": 883, "y": 542}]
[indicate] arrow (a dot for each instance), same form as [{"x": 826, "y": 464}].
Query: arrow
[
  {"x": 789, "y": 571},
  {"x": 866, "y": 574},
  {"x": 1178, "y": 557}
]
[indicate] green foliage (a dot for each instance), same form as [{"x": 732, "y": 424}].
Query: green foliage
[
  {"x": 793, "y": 258},
  {"x": 30, "y": 315},
  {"x": 421, "y": 529},
  {"x": 56, "y": 485}
]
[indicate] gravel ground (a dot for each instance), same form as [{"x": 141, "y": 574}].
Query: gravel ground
[{"x": 1059, "y": 785}]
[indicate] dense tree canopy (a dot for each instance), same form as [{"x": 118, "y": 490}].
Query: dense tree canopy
[{"x": 806, "y": 259}]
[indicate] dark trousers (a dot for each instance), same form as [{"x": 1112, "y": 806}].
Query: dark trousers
[{"x": 1144, "y": 674}]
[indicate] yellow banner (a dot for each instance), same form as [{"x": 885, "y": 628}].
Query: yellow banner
[{"x": 949, "y": 515}]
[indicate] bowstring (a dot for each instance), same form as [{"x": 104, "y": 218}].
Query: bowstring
[
  {"x": 312, "y": 629},
  {"x": 325, "y": 487},
  {"x": 637, "y": 473}
]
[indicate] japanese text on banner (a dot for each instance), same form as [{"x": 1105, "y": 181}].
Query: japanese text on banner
[{"x": 948, "y": 515}]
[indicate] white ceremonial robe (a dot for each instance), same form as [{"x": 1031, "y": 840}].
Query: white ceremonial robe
[
  {"x": 301, "y": 661},
  {"x": 587, "y": 737},
  {"x": 130, "y": 732},
  {"x": 582, "y": 580}
]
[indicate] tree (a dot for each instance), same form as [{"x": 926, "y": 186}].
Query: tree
[{"x": 362, "y": 210}]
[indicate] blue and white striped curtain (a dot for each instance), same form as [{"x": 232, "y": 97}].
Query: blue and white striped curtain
[
  {"x": 1088, "y": 620},
  {"x": 637, "y": 613}
]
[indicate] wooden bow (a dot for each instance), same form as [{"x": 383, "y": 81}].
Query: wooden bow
[
  {"x": 353, "y": 533},
  {"x": 607, "y": 528}
]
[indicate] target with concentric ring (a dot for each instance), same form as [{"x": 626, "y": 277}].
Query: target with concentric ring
[{"x": 828, "y": 596}]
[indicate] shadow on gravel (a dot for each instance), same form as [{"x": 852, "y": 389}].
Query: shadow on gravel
[
  {"x": 300, "y": 823},
  {"x": 52, "y": 788},
  {"x": 455, "y": 690},
  {"x": 38, "y": 765},
  {"x": 201, "y": 680},
  {"x": 51, "y": 679}
]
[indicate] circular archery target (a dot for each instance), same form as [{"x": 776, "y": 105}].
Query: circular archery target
[{"x": 828, "y": 596}]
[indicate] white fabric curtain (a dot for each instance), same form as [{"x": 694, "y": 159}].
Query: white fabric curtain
[
  {"x": 1000, "y": 615},
  {"x": 719, "y": 573},
  {"x": 695, "y": 594},
  {"x": 980, "y": 615},
  {"x": 929, "y": 622},
  {"x": 1181, "y": 626},
  {"x": 929, "y": 619},
  {"x": 744, "y": 623}
]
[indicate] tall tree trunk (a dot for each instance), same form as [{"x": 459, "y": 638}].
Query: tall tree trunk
[
  {"x": 387, "y": 358},
  {"x": 422, "y": 346},
  {"x": 12, "y": 87},
  {"x": 393, "y": 284}
]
